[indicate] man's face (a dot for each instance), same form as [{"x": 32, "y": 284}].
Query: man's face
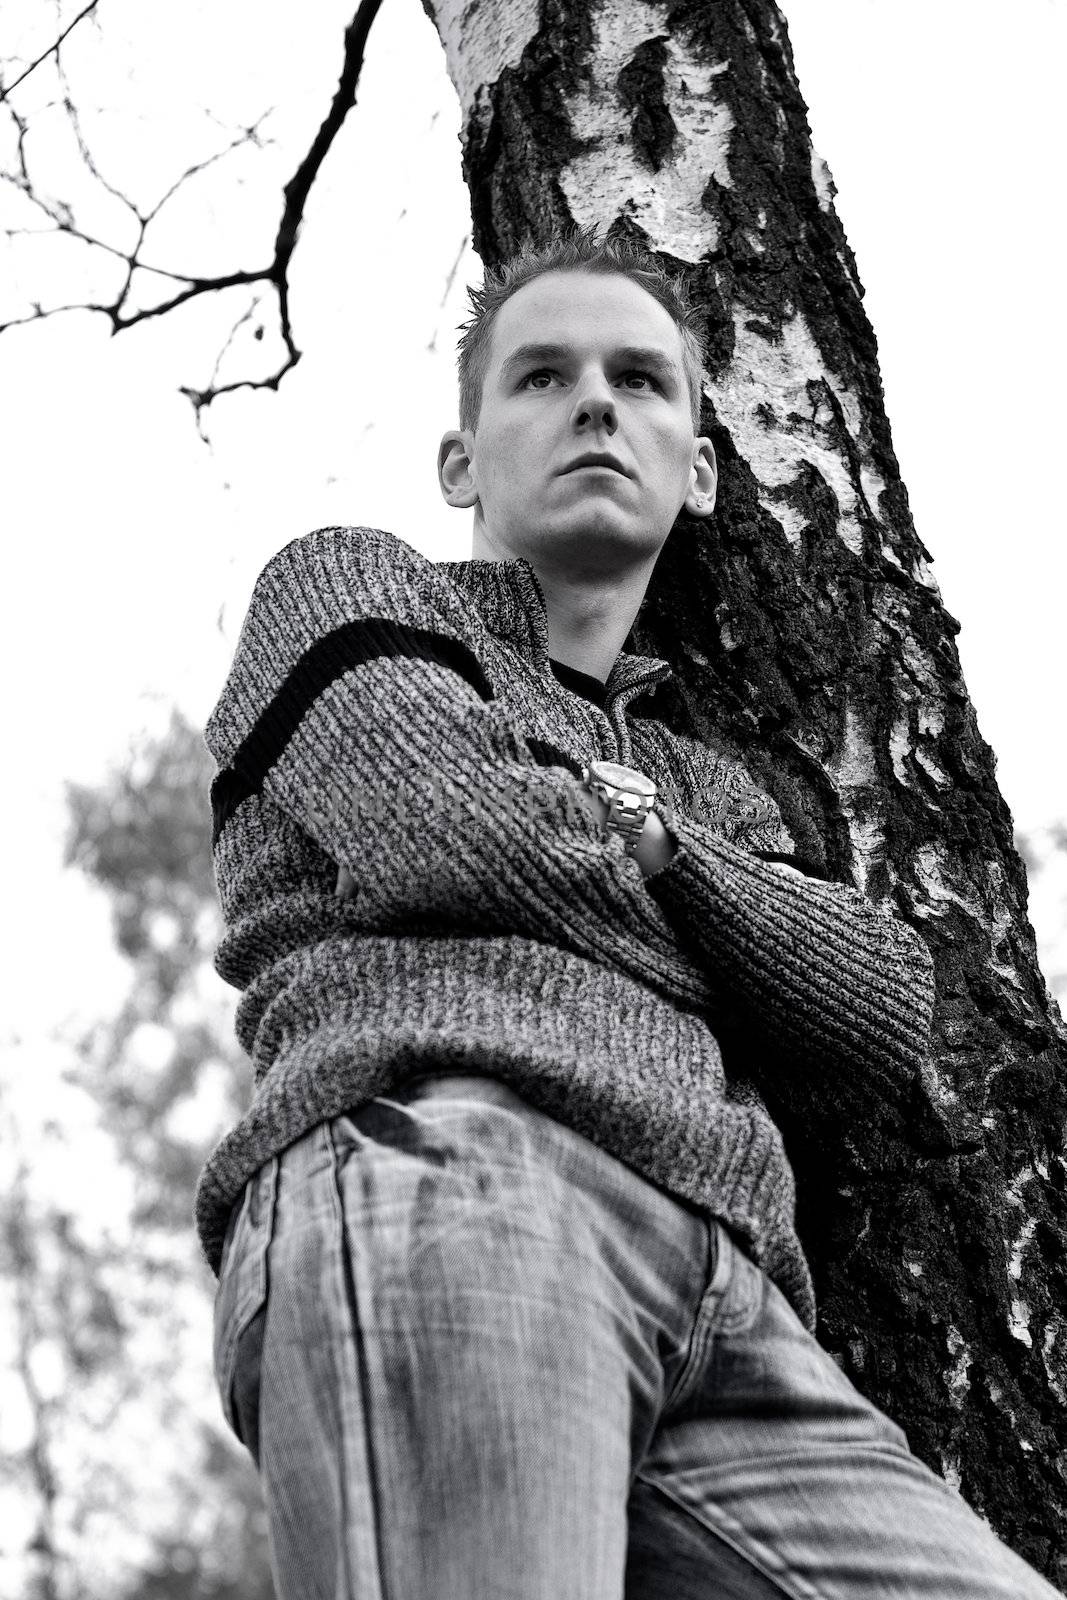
[{"x": 585, "y": 436}]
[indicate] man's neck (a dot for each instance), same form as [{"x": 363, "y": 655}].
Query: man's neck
[
  {"x": 589, "y": 613},
  {"x": 587, "y": 623}
]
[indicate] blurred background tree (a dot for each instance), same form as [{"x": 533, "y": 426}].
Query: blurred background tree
[{"x": 119, "y": 1476}]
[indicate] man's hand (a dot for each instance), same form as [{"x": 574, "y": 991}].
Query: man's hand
[{"x": 655, "y": 846}]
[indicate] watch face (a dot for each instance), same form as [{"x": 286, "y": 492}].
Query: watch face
[{"x": 621, "y": 777}]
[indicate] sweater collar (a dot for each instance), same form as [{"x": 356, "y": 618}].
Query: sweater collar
[{"x": 511, "y": 602}]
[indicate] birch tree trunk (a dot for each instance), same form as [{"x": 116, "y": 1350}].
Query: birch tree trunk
[{"x": 809, "y": 638}]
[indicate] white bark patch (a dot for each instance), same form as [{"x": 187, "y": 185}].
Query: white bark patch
[
  {"x": 822, "y": 178},
  {"x": 937, "y": 893},
  {"x": 764, "y": 401},
  {"x": 939, "y": 1091},
  {"x": 480, "y": 40},
  {"x": 849, "y": 269},
  {"x": 922, "y": 574},
  {"x": 855, "y": 766},
  {"x": 854, "y": 771},
  {"x": 900, "y": 746},
  {"x": 1019, "y": 1323},
  {"x": 1015, "y": 1261},
  {"x": 930, "y": 766},
  {"x": 1016, "y": 1247},
  {"x": 928, "y": 719},
  {"x": 931, "y": 719},
  {"x": 776, "y": 23},
  {"x": 1001, "y": 922},
  {"x": 956, "y": 1375},
  {"x": 1053, "y": 1332},
  {"x": 992, "y": 909},
  {"x": 607, "y": 180}
]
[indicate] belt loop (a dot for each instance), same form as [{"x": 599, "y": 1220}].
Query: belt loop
[{"x": 722, "y": 1249}]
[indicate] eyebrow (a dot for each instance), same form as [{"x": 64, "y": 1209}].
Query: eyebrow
[{"x": 655, "y": 360}]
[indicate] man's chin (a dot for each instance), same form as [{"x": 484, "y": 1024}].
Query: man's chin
[
  {"x": 588, "y": 546},
  {"x": 600, "y": 521}
]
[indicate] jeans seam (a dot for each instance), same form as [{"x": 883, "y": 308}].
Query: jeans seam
[
  {"x": 256, "y": 1292},
  {"x": 701, "y": 1331},
  {"x": 787, "y": 1585},
  {"x": 351, "y": 1303}
]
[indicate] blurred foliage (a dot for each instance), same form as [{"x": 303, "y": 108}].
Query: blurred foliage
[
  {"x": 119, "y": 1477},
  {"x": 145, "y": 838}
]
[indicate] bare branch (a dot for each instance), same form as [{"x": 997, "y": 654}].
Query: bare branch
[
  {"x": 60, "y": 215},
  {"x": 194, "y": 395},
  {"x": 193, "y": 286},
  {"x": 83, "y": 148},
  {"x": 248, "y": 135},
  {"x": 296, "y": 193},
  {"x": 299, "y": 186},
  {"x": 449, "y": 281},
  {"x": 52, "y": 49}
]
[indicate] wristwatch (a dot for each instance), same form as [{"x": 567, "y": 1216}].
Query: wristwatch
[{"x": 629, "y": 794}]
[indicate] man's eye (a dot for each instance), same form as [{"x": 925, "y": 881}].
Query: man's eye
[
  {"x": 532, "y": 379},
  {"x": 645, "y": 378}
]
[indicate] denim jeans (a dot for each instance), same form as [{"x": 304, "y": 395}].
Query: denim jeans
[{"x": 474, "y": 1355}]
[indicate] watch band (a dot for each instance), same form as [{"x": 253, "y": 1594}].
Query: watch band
[{"x": 628, "y": 794}]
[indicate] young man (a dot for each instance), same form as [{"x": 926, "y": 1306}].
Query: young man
[{"x": 510, "y": 1297}]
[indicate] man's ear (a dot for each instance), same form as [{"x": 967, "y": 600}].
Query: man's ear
[
  {"x": 455, "y": 468},
  {"x": 703, "y": 479}
]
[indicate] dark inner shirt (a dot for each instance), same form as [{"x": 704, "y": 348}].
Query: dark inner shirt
[{"x": 582, "y": 683}]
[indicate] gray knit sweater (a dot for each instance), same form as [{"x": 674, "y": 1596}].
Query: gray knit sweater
[{"x": 403, "y": 718}]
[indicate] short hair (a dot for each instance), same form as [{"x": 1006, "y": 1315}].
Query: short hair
[{"x": 580, "y": 249}]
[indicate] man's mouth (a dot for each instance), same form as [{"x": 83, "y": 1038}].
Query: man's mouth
[{"x": 597, "y": 459}]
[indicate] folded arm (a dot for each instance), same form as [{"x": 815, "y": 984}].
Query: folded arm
[
  {"x": 356, "y": 703},
  {"x": 814, "y": 970}
]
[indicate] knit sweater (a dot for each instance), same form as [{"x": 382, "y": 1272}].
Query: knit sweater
[{"x": 404, "y": 718}]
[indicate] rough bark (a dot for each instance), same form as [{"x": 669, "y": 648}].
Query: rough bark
[{"x": 809, "y": 638}]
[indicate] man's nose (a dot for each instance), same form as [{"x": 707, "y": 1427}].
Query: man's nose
[{"x": 594, "y": 404}]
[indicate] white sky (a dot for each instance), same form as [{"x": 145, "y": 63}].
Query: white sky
[{"x": 125, "y": 537}]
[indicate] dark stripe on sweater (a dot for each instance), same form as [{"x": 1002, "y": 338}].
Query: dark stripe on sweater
[
  {"x": 367, "y": 639},
  {"x": 550, "y": 755}
]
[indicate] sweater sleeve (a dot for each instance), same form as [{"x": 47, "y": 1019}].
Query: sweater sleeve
[
  {"x": 830, "y": 983},
  {"x": 356, "y": 702}
]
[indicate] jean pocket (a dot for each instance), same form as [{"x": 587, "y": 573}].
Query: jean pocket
[
  {"x": 741, "y": 1286},
  {"x": 241, "y": 1303}
]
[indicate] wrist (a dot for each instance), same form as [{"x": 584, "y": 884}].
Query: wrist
[{"x": 656, "y": 847}]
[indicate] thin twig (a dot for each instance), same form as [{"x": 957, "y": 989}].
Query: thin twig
[{"x": 52, "y": 48}]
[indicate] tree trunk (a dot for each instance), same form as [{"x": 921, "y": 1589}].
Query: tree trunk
[{"x": 808, "y": 637}]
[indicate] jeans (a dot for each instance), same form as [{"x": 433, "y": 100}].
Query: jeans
[{"x": 474, "y": 1355}]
